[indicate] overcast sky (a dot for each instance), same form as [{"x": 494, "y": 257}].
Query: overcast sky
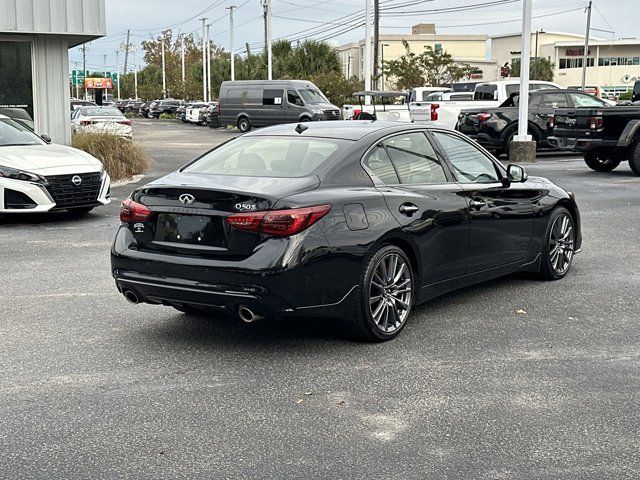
[{"x": 293, "y": 18}]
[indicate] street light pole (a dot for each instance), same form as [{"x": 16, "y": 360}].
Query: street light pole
[
  {"x": 208, "y": 99},
  {"x": 525, "y": 59},
  {"x": 183, "y": 64},
  {"x": 118, "y": 71},
  {"x": 164, "y": 75},
  {"x": 382, "y": 79},
  {"x": 267, "y": 13},
  {"x": 104, "y": 59},
  {"x": 586, "y": 47},
  {"x": 77, "y": 82},
  {"x": 135, "y": 72},
  {"x": 233, "y": 62},
  {"x": 535, "y": 64},
  {"x": 204, "y": 62},
  {"x": 367, "y": 51}
]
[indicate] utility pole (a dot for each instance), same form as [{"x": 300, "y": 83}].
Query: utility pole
[
  {"x": 126, "y": 52},
  {"x": 535, "y": 64},
  {"x": 367, "y": 51},
  {"x": 376, "y": 39},
  {"x": 106, "y": 92},
  {"x": 266, "y": 5},
  {"x": 184, "y": 78},
  {"x": 118, "y": 71},
  {"x": 248, "y": 59},
  {"x": 164, "y": 74},
  {"x": 135, "y": 72},
  {"x": 586, "y": 47},
  {"x": 84, "y": 69},
  {"x": 233, "y": 57},
  {"x": 208, "y": 63},
  {"x": 266, "y": 27},
  {"x": 204, "y": 61},
  {"x": 77, "y": 82}
]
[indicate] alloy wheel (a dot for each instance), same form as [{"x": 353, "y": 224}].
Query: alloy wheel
[
  {"x": 561, "y": 243},
  {"x": 390, "y": 293}
]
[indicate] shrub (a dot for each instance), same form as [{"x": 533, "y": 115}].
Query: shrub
[
  {"x": 131, "y": 114},
  {"x": 121, "y": 158},
  {"x": 167, "y": 116},
  {"x": 626, "y": 95}
]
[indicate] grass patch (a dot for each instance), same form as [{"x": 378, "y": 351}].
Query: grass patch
[
  {"x": 167, "y": 116},
  {"x": 122, "y": 159}
]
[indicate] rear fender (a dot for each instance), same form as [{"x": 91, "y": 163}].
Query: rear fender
[{"x": 630, "y": 133}]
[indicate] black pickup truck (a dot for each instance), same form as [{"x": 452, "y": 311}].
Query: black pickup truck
[
  {"x": 494, "y": 128},
  {"x": 605, "y": 136}
]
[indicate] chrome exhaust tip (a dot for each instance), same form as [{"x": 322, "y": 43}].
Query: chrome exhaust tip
[
  {"x": 131, "y": 296},
  {"x": 247, "y": 315}
]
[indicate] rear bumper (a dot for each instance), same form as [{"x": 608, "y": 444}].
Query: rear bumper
[
  {"x": 267, "y": 282},
  {"x": 579, "y": 144}
]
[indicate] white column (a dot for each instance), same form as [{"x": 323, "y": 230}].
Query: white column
[
  {"x": 233, "y": 57},
  {"x": 208, "y": 76},
  {"x": 183, "y": 64},
  {"x": 118, "y": 71},
  {"x": 525, "y": 60},
  {"x": 164, "y": 74},
  {"x": 204, "y": 61},
  {"x": 367, "y": 51}
]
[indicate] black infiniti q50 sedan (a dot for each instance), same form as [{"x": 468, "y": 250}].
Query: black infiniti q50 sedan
[{"x": 358, "y": 220}]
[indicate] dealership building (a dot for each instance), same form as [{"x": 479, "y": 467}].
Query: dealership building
[{"x": 35, "y": 38}]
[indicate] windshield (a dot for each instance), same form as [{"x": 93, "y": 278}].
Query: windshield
[
  {"x": 102, "y": 112},
  {"x": 312, "y": 96},
  {"x": 13, "y": 133},
  {"x": 267, "y": 157}
]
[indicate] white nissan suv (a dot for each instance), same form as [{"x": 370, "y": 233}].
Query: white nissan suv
[{"x": 36, "y": 176}]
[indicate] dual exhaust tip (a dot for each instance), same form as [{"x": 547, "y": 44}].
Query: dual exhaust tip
[{"x": 244, "y": 313}]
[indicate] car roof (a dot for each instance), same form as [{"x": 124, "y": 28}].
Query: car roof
[{"x": 339, "y": 129}]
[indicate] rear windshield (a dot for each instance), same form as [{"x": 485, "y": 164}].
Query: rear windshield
[
  {"x": 103, "y": 112},
  {"x": 268, "y": 157}
]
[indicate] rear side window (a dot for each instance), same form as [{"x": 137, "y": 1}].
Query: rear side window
[
  {"x": 379, "y": 163},
  {"x": 268, "y": 157},
  {"x": 414, "y": 159},
  {"x": 272, "y": 97},
  {"x": 554, "y": 100},
  {"x": 582, "y": 100}
]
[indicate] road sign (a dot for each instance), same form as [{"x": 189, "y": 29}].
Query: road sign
[{"x": 77, "y": 77}]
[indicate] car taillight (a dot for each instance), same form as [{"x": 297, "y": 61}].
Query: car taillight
[
  {"x": 595, "y": 123},
  {"x": 131, "y": 211},
  {"x": 125, "y": 122},
  {"x": 434, "y": 111},
  {"x": 278, "y": 223},
  {"x": 551, "y": 122},
  {"x": 483, "y": 117},
  {"x": 84, "y": 123}
]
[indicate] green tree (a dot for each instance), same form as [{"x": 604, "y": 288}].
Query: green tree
[
  {"x": 431, "y": 67},
  {"x": 339, "y": 90},
  {"x": 545, "y": 69}
]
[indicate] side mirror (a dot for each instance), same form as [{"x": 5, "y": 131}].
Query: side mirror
[
  {"x": 46, "y": 138},
  {"x": 516, "y": 173}
]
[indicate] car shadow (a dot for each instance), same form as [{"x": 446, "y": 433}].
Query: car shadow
[
  {"x": 28, "y": 219},
  {"x": 228, "y": 333}
]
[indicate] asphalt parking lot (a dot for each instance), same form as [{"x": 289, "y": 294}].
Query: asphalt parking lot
[{"x": 515, "y": 378}]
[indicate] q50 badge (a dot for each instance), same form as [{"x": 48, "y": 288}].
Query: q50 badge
[{"x": 245, "y": 207}]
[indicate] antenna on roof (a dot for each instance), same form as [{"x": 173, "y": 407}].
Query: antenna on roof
[{"x": 301, "y": 128}]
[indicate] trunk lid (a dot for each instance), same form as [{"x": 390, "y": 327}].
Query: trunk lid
[
  {"x": 190, "y": 211},
  {"x": 574, "y": 122}
]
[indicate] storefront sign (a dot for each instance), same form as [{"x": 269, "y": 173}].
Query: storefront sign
[
  {"x": 98, "y": 83},
  {"x": 575, "y": 52}
]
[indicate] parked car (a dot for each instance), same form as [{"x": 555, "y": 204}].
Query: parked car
[
  {"x": 168, "y": 106},
  {"x": 133, "y": 106},
  {"x": 75, "y": 103},
  {"x": 635, "y": 96},
  {"x": 181, "y": 112},
  {"x": 258, "y": 103},
  {"x": 605, "y": 136},
  {"x": 101, "y": 120},
  {"x": 193, "y": 113},
  {"x": 37, "y": 176},
  {"x": 448, "y": 96},
  {"x": 494, "y": 128},
  {"x": 485, "y": 95},
  {"x": 357, "y": 220},
  {"x": 143, "y": 111},
  {"x": 212, "y": 116}
]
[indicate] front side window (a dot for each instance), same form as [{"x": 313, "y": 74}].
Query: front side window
[
  {"x": 582, "y": 100},
  {"x": 293, "y": 98},
  {"x": 14, "y": 133},
  {"x": 284, "y": 157},
  {"x": 470, "y": 165},
  {"x": 414, "y": 159}
]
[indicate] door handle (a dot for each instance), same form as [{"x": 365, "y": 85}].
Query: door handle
[
  {"x": 477, "y": 204},
  {"x": 408, "y": 209}
]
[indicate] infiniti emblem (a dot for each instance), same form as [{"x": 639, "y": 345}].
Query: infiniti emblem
[
  {"x": 76, "y": 180},
  {"x": 187, "y": 198}
]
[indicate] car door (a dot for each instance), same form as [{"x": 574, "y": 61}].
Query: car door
[
  {"x": 420, "y": 193},
  {"x": 501, "y": 214},
  {"x": 272, "y": 106},
  {"x": 546, "y": 108}
]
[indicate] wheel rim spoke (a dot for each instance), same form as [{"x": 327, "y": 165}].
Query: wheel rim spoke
[
  {"x": 561, "y": 243},
  {"x": 390, "y": 292}
]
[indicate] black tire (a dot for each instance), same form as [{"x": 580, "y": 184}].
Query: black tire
[
  {"x": 362, "y": 326},
  {"x": 549, "y": 267},
  {"x": 601, "y": 160},
  {"x": 243, "y": 124},
  {"x": 634, "y": 158},
  {"x": 305, "y": 119}
]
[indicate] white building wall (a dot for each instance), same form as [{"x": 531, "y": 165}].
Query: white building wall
[{"x": 50, "y": 87}]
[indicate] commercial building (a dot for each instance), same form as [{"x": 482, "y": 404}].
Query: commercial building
[
  {"x": 35, "y": 37},
  {"x": 469, "y": 49}
]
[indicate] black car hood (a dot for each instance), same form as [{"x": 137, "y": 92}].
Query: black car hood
[{"x": 273, "y": 187}]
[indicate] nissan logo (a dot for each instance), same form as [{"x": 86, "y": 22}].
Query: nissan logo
[
  {"x": 187, "y": 198},
  {"x": 76, "y": 180}
]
